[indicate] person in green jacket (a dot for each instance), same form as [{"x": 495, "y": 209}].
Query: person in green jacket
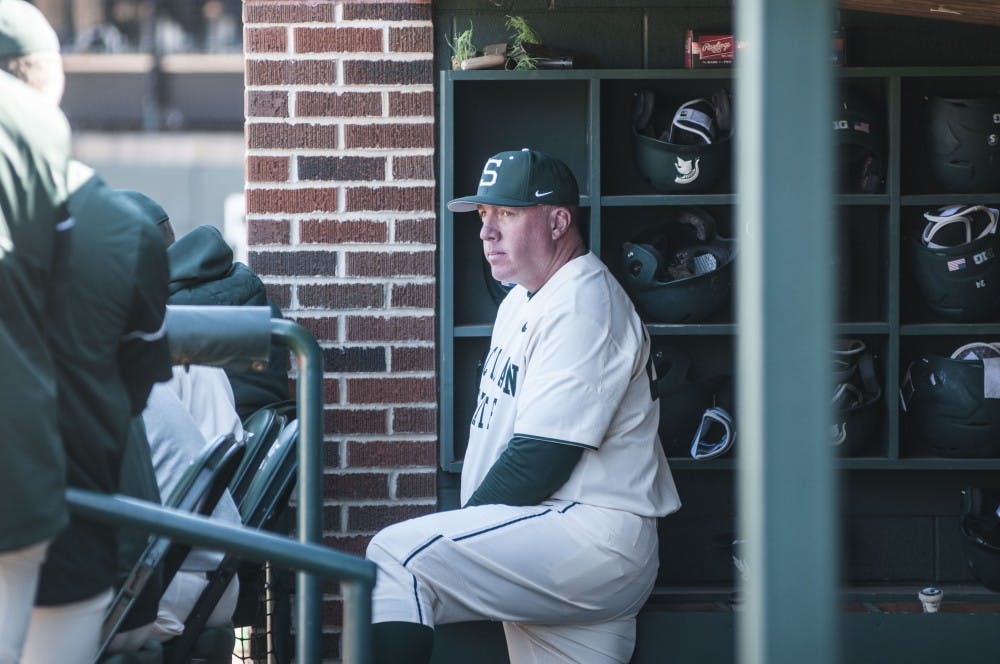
[
  {"x": 202, "y": 271},
  {"x": 108, "y": 344},
  {"x": 34, "y": 144}
]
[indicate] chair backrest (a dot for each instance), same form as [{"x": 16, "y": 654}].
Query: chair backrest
[
  {"x": 287, "y": 408},
  {"x": 199, "y": 490},
  {"x": 261, "y": 428},
  {"x": 271, "y": 485},
  {"x": 269, "y": 490}
]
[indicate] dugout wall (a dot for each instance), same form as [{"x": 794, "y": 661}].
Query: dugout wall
[{"x": 899, "y": 505}]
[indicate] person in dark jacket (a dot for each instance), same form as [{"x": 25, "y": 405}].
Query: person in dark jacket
[
  {"x": 202, "y": 271},
  {"x": 103, "y": 326},
  {"x": 33, "y": 192},
  {"x": 110, "y": 350}
]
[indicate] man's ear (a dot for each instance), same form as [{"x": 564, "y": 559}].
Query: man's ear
[{"x": 559, "y": 221}]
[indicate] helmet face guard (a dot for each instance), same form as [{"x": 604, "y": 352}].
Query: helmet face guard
[
  {"x": 856, "y": 396},
  {"x": 715, "y": 434},
  {"x": 963, "y": 140},
  {"x": 680, "y": 272},
  {"x": 688, "y": 153},
  {"x": 956, "y": 262}
]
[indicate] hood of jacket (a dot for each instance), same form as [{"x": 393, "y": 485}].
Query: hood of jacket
[{"x": 199, "y": 256}]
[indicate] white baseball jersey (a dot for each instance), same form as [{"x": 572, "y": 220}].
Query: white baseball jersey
[{"x": 570, "y": 364}]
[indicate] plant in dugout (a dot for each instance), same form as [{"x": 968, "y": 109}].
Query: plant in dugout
[
  {"x": 521, "y": 34},
  {"x": 462, "y": 48}
]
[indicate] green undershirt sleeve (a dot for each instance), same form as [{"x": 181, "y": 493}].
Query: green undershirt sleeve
[{"x": 528, "y": 472}]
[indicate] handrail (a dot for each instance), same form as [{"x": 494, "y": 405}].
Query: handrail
[
  {"x": 309, "y": 393},
  {"x": 356, "y": 574}
]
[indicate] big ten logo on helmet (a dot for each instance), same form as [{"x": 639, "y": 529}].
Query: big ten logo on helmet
[
  {"x": 504, "y": 377},
  {"x": 489, "y": 176}
]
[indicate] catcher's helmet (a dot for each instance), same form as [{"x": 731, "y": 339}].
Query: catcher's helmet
[
  {"x": 681, "y": 271},
  {"x": 684, "y": 149},
  {"x": 946, "y": 403},
  {"x": 684, "y": 402},
  {"x": 980, "y": 528},
  {"x": 856, "y": 396},
  {"x": 963, "y": 139},
  {"x": 860, "y": 137},
  {"x": 955, "y": 262}
]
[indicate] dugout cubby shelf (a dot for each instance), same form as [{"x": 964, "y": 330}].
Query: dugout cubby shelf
[{"x": 583, "y": 117}]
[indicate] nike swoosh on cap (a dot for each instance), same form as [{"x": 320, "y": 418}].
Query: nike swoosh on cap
[{"x": 539, "y": 194}]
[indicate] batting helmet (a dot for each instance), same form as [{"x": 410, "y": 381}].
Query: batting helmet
[
  {"x": 684, "y": 149},
  {"x": 963, "y": 139},
  {"x": 680, "y": 271},
  {"x": 955, "y": 262}
]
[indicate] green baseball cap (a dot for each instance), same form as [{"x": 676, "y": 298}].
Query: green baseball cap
[
  {"x": 24, "y": 30},
  {"x": 521, "y": 178}
]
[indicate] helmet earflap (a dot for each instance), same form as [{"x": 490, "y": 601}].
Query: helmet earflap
[{"x": 643, "y": 262}]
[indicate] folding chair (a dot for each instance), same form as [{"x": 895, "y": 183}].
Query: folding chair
[
  {"x": 268, "y": 492},
  {"x": 198, "y": 490},
  {"x": 261, "y": 428},
  {"x": 288, "y": 408}
]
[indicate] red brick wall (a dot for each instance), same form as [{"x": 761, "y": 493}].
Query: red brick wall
[{"x": 340, "y": 211}]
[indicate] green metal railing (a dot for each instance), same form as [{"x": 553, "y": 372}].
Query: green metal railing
[
  {"x": 240, "y": 338},
  {"x": 357, "y": 575}
]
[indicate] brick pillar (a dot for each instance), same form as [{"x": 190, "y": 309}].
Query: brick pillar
[{"x": 341, "y": 223}]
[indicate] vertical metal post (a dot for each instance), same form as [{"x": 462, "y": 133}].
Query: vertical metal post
[
  {"x": 309, "y": 394},
  {"x": 787, "y": 505},
  {"x": 357, "y": 629}
]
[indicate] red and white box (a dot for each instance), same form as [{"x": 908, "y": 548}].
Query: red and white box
[
  {"x": 709, "y": 50},
  {"x": 719, "y": 50}
]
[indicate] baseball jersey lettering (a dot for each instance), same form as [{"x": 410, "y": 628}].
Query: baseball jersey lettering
[
  {"x": 508, "y": 378},
  {"x": 477, "y": 417},
  {"x": 495, "y": 354}
]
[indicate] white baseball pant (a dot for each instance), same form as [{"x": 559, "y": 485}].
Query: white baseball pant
[
  {"x": 66, "y": 633},
  {"x": 19, "y": 571},
  {"x": 566, "y": 579}
]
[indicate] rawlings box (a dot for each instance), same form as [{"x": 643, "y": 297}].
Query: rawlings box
[{"x": 717, "y": 49}]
